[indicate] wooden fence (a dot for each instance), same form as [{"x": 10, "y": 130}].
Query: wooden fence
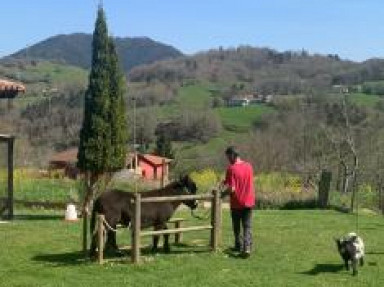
[
  {"x": 7, "y": 202},
  {"x": 137, "y": 233}
]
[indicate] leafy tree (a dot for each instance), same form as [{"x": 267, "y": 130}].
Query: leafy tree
[{"x": 164, "y": 146}]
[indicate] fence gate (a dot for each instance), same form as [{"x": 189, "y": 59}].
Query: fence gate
[{"x": 6, "y": 176}]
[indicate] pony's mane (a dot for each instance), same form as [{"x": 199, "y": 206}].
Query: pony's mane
[{"x": 169, "y": 189}]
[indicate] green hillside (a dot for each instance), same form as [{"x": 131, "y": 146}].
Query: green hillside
[
  {"x": 75, "y": 49},
  {"x": 241, "y": 119},
  {"x": 44, "y": 79}
]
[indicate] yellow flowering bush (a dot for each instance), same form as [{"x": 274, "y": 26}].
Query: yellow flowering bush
[{"x": 206, "y": 179}]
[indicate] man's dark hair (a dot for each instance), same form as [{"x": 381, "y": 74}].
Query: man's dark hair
[{"x": 232, "y": 151}]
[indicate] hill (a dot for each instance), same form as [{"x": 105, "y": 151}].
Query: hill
[
  {"x": 263, "y": 70},
  {"x": 75, "y": 49}
]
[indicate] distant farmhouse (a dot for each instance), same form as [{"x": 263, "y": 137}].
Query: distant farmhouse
[
  {"x": 247, "y": 100},
  {"x": 340, "y": 89},
  {"x": 147, "y": 166}
]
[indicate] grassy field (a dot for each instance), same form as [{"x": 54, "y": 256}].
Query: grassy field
[
  {"x": 292, "y": 248},
  {"x": 242, "y": 118},
  {"x": 365, "y": 100}
]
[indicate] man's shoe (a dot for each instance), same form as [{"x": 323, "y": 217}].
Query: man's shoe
[{"x": 246, "y": 253}]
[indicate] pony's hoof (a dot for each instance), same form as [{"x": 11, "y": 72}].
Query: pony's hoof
[
  {"x": 167, "y": 250},
  {"x": 93, "y": 256}
]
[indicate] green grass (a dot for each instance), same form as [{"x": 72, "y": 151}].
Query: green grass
[
  {"x": 45, "y": 189},
  {"x": 197, "y": 96},
  {"x": 241, "y": 118},
  {"x": 292, "y": 248},
  {"x": 364, "y": 99}
]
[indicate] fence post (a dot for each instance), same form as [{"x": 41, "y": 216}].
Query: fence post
[
  {"x": 215, "y": 220},
  {"x": 10, "y": 177},
  {"x": 135, "y": 252},
  {"x": 324, "y": 187},
  {"x": 100, "y": 236}
]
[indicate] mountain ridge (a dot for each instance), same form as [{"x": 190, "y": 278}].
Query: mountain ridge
[{"x": 75, "y": 49}]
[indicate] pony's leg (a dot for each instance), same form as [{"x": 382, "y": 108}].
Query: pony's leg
[
  {"x": 166, "y": 247},
  {"x": 361, "y": 261},
  {"x": 92, "y": 251},
  {"x": 354, "y": 266},
  {"x": 111, "y": 239},
  {"x": 346, "y": 264},
  {"x": 155, "y": 239}
]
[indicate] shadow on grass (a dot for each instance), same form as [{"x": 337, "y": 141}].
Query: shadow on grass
[
  {"x": 324, "y": 268},
  {"x": 374, "y": 252},
  {"x": 234, "y": 254},
  {"x": 62, "y": 259},
  {"x": 180, "y": 248},
  {"x": 38, "y": 217}
]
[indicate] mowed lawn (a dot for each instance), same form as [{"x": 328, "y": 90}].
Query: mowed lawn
[{"x": 292, "y": 248}]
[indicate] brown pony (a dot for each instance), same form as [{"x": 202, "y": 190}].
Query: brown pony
[{"x": 116, "y": 206}]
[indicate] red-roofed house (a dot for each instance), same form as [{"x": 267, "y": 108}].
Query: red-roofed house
[
  {"x": 66, "y": 161},
  {"x": 153, "y": 167}
]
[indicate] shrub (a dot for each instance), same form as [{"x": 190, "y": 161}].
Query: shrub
[{"x": 206, "y": 179}]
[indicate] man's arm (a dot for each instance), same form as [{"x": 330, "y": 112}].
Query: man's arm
[{"x": 226, "y": 185}]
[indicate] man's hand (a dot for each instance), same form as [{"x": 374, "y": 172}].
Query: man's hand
[{"x": 226, "y": 190}]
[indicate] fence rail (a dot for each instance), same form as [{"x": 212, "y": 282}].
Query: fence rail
[
  {"x": 214, "y": 227},
  {"x": 176, "y": 198},
  {"x": 176, "y": 230}
]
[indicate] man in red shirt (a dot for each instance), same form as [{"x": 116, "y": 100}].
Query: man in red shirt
[{"x": 239, "y": 184}]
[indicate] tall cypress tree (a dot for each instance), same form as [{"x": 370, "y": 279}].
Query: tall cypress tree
[
  {"x": 103, "y": 134},
  {"x": 118, "y": 119},
  {"x": 94, "y": 154}
]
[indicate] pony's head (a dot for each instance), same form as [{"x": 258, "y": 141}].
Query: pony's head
[{"x": 190, "y": 186}]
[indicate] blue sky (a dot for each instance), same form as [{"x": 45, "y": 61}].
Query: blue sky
[{"x": 351, "y": 28}]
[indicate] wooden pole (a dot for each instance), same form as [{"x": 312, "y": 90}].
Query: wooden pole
[
  {"x": 217, "y": 226},
  {"x": 178, "y": 236},
  {"x": 219, "y": 217},
  {"x": 215, "y": 220},
  {"x": 163, "y": 173},
  {"x": 135, "y": 252},
  {"x": 10, "y": 177},
  {"x": 85, "y": 232},
  {"x": 100, "y": 236}
]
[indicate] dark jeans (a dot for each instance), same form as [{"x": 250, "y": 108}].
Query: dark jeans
[{"x": 242, "y": 217}]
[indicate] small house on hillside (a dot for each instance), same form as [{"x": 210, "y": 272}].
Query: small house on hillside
[
  {"x": 66, "y": 162},
  {"x": 240, "y": 101},
  {"x": 153, "y": 167},
  {"x": 246, "y": 100}
]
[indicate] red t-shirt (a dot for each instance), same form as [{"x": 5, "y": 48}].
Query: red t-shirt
[{"x": 239, "y": 177}]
